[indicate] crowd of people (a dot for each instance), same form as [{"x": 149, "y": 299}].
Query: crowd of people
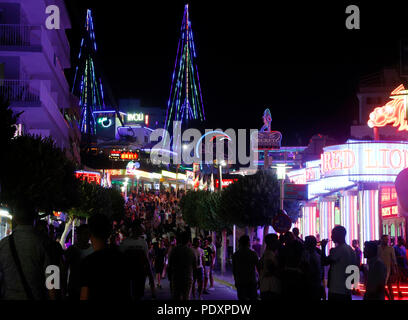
[
  {"x": 293, "y": 268},
  {"x": 110, "y": 260},
  {"x": 152, "y": 242}
]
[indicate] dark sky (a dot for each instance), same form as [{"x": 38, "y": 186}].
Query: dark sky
[{"x": 297, "y": 59}]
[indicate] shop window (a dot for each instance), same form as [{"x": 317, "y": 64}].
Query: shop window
[
  {"x": 385, "y": 194},
  {"x": 337, "y": 218},
  {"x": 392, "y": 233},
  {"x": 393, "y": 193}
]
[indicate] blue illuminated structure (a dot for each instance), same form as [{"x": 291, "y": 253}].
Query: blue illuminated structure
[
  {"x": 185, "y": 101},
  {"x": 87, "y": 84}
]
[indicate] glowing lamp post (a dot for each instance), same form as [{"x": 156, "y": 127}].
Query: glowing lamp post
[
  {"x": 125, "y": 187},
  {"x": 281, "y": 175},
  {"x": 220, "y": 165}
]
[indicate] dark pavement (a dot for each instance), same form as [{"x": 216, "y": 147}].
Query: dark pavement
[{"x": 222, "y": 291}]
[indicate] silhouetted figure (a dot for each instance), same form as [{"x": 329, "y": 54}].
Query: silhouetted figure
[
  {"x": 376, "y": 274},
  {"x": 182, "y": 262},
  {"x": 23, "y": 262},
  {"x": 104, "y": 274},
  {"x": 269, "y": 273},
  {"x": 244, "y": 268},
  {"x": 74, "y": 255},
  {"x": 312, "y": 269}
]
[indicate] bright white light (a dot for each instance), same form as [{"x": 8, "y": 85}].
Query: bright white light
[
  {"x": 281, "y": 171},
  {"x": 185, "y": 147},
  {"x": 223, "y": 163},
  {"x": 123, "y": 189},
  {"x": 5, "y": 214}
]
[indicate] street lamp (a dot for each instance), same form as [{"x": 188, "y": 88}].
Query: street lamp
[
  {"x": 281, "y": 175},
  {"x": 126, "y": 187},
  {"x": 220, "y": 165}
]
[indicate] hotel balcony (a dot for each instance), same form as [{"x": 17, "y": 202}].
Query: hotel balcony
[
  {"x": 15, "y": 37},
  {"x": 35, "y": 99},
  {"x": 36, "y": 52}
]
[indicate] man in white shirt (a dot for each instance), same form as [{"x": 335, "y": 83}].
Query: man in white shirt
[
  {"x": 198, "y": 273},
  {"x": 340, "y": 257}
]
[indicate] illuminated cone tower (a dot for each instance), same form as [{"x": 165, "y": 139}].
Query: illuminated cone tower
[
  {"x": 87, "y": 83},
  {"x": 185, "y": 102}
]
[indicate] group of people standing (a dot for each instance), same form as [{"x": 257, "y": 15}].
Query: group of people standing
[{"x": 293, "y": 268}]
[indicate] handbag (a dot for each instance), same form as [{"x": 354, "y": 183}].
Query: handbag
[{"x": 17, "y": 262}]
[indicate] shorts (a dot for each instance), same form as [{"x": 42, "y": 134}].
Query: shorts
[
  {"x": 198, "y": 274},
  {"x": 207, "y": 271}
]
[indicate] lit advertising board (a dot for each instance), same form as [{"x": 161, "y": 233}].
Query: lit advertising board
[
  {"x": 90, "y": 177},
  {"x": 365, "y": 161}
]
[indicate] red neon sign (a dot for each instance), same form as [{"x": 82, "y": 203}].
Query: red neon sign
[
  {"x": 90, "y": 177},
  {"x": 225, "y": 182},
  {"x": 393, "y": 113},
  {"x": 124, "y": 155}
]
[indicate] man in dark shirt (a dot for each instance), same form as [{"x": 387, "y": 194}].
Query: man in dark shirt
[
  {"x": 377, "y": 273},
  {"x": 244, "y": 268},
  {"x": 357, "y": 250},
  {"x": 104, "y": 274},
  {"x": 208, "y": 261},
  {"x": 182, "y": 262}
]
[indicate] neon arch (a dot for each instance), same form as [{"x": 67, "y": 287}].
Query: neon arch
[{"x": 219, "y": 134}]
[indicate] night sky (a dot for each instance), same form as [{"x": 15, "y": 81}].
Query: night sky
[{"x": 297, "y": 59}]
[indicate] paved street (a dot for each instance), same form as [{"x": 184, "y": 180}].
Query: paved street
[{"x": 222, "y": 291}]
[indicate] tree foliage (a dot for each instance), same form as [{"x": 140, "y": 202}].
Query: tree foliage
[
  {"x": 201, "y": 209},
  {"x": 37, "y": 177},
  {"x": 95, "y": 199},
  {"x": 251, "y": 201}
]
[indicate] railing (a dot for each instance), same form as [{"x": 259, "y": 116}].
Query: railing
[
  {"x": 20, "y": 91},
  {"x": 21, "y": 36}
]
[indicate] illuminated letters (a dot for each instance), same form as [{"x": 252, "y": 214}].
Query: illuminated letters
[{"x": 135, "y": 117}]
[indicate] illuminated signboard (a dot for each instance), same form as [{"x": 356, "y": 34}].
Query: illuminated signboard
[
  {"x": 116, "y": 172},
  {"x": 91, "y": 177},
  {"x": 225, "y": 182},
  {"x": 388, "y": 201},
  {"x": 123, "y": 155},
  {"x": 135, "y": 117},
  {"x": 190, "y": 175},
  {"x": 365, "y": 160},
  {"x": 105, "y": 122},
  {"x": 393, "y": 112}
]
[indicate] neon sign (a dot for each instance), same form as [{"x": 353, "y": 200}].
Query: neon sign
[
  {"x": 124, "y": 155},
  {"x": 365, "y": 161},
  {"x": 393, "y": 112},
  {"x": 135, "y": 117},
  {"x": 105, "y": 122},
  {"x": 90, "y": 177},
  {"x": 225, "y": 182}
]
